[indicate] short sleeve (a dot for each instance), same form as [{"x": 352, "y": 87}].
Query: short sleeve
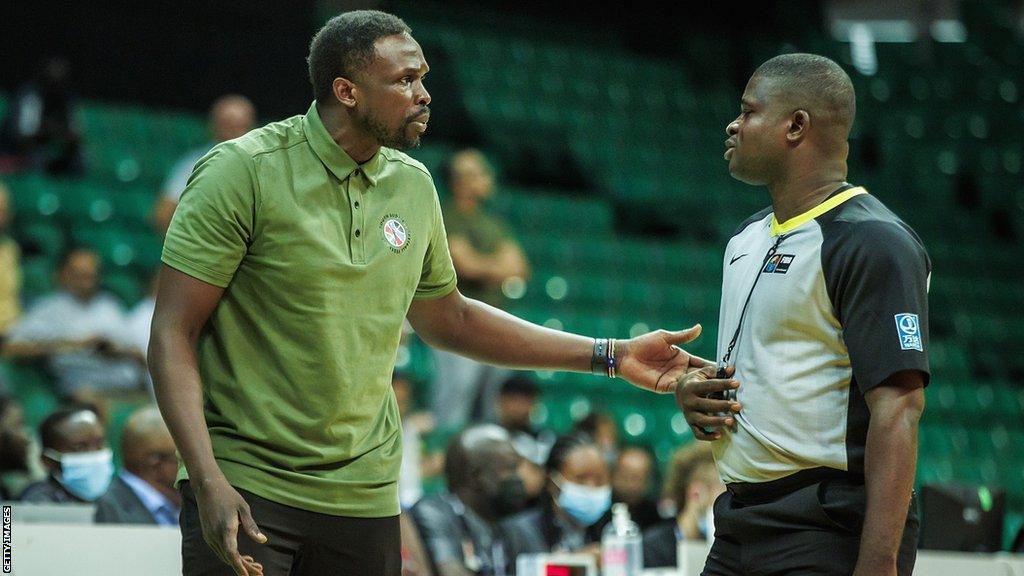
[
  {"x": 438, "y": 277},
  {"x": 212, "y": 226},
  {"x": 877, "y": 275}
]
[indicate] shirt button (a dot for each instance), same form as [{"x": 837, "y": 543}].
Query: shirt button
[
  {"x": 357, "y": 204},
  {"x": 355, "y": 173},
  {"x": 357, "y": 233}
]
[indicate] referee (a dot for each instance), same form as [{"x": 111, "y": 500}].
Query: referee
[
  {"x": 824, "y": 319},
  {"x": 295, "y": 254}
]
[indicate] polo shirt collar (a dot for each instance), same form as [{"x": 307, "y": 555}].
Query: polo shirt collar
[{"x": 334, "y": 158}]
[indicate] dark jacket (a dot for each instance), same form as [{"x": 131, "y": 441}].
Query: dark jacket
[
  {"x": 49, "y": 491},
  {"x": 120, "y": 505},
  {"x": 540, "y": 530}
]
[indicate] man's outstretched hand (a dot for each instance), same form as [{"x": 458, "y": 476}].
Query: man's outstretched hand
[{"x": 654, "y": 360}]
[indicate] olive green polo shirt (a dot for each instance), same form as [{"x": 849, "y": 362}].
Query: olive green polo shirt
[{"x": 320, "y": 259}]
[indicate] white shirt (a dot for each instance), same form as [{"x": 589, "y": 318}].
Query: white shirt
[{"x": 61, "y": 316}]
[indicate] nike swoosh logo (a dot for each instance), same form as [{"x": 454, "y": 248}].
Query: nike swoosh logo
[{"x": 736, "y": 258}]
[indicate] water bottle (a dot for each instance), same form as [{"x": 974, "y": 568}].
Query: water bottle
[{"x": 622, "y": 550}]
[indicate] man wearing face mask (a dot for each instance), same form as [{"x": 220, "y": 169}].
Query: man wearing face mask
[
  {"x": 692, "y": 484},
  {"x": 458, "y": 527},
  {"x": 75, "y": 453},
  {"x": 574, "y": 508}
]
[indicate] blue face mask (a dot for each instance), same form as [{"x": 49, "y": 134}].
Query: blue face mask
[
  {"x": 586, "y": 505},
  {"x": 87, "y": 475}
]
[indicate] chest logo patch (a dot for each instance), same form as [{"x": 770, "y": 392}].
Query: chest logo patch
[
  {"x": 395, "y": 233},
  {"x": 908, "y": 328},
  {"x": 778, "y": 264}
]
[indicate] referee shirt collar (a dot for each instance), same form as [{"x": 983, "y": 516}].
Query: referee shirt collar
[{"x": 334, "y": 158}]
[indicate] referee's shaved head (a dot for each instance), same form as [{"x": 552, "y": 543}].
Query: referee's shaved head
[
  {"x": 795, "y": 115},
  {"x": 813, "y": 83}
]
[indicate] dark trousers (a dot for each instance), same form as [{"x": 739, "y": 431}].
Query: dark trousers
[
  {"x": 813, "y": 530},
  {"x": 299, "y": 542}
]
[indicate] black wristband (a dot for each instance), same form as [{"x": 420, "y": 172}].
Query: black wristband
[{"x": 599, "y": 361}]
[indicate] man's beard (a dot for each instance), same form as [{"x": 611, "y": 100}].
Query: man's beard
[{"x": 397, "y": 139}]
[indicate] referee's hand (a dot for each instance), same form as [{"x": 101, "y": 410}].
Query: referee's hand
[
  {"x": 221, "y": 511},
  {"x": 703, "y": 413}
]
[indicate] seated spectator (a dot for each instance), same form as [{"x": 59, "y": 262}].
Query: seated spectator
[
  {"x": 516, "y": 401},
  {"x": 231, "y": 116},
  {"x": 79, "y": 331},
  {"x": 143, "y": 492},
  {"x": 76, "y": 457},
  {"x": 10, "y": 268},
  {"x": 459, "y": 527},
  {"x": 40, "y": 131},
  {"x": 15, "y": 473},
  {"x": 485, "y": 256},
  {"x": 631, "y": 483},
  {"x": 574, "y": 508},
  {"x": 415, "y": 464},
  {"x": 693, "y": 484}
]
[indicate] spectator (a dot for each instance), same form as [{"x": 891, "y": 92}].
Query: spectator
[
  {"x": 459, "y": 527},
  {"x": 601, "y": 427},
  {"x": 632, "y": 477},
  {"x": 80, "y": 331},
  {"x": 574, "y": 507},
  {"x": 415, "y": 464},
  {"x": 10, "y": 268},
  {"x": 516, "y": 401},
  {"x": 76, "y": 456},
  {"x": 15, "y": 473},
  {"x": 485, "y": 256},
  {"x": 231, "y": 116},
  {"x": 143, "y": 493},
  {"x": 692, "y": 483},
  {"x": 40, "y": 131}
]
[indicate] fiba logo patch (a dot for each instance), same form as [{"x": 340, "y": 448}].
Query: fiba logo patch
[
  {"x": 908, "y": 328},
  {"x": 778, "y": 264},
  {"x": 395, "y": 233}
]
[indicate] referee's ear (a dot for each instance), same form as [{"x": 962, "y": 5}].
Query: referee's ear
[{"x": 799, "y": 124}]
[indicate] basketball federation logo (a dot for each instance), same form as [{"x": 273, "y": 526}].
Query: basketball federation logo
[
  {"x": 395, "y": 233},
  {"x": 908, "y": 328}
]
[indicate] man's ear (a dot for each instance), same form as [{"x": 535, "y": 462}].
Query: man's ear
[
  {"x": 345, "y": 91},
  {"x": 799, "y": 124}
]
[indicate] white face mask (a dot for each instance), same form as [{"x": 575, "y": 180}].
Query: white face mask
[
  {"x": 87, "y": 475},
  {"x": 584, "y": 503}
]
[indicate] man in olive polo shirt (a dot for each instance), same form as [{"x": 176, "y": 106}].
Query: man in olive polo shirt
[{"x": 290, "y": 263}]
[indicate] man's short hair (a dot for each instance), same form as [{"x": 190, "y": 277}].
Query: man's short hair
[
  {"x": 814, "y": 83},
  {"x": 48, "y": 429},
  {"x": 345, "y": 45},
  {"x": 467, "y": 449}
]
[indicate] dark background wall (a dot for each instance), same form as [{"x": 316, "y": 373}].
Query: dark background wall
[
  {"x": 180, "y": 54},
  {"x": 185, "y": 53}
]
